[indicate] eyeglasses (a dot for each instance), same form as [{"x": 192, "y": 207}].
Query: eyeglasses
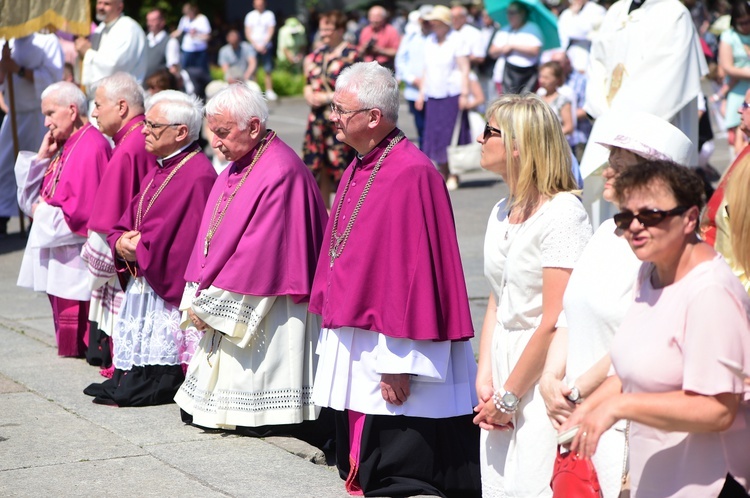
[
  {"x": 647, "y": 218},
  {"x": 338, "y": 110},
  {"x": 155, "y": 126},
  {"x": 744, "y": 106},
  {"x": 489, "y": 130}
]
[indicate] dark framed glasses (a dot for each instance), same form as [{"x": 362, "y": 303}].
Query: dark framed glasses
[
  {"x": 647, "y": 218},
  {"x": 744, "y": 106},
  {"x": 489, "y": 130}
]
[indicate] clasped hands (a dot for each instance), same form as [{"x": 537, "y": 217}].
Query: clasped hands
[
  {"x": 488, "y": 416},
  {"x": 127, "y": 244}
]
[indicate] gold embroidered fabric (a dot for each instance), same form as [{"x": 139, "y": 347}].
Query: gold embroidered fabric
[{"x": 21, "y": 18}]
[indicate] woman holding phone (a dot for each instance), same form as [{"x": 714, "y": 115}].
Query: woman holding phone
[{"x": 690, "y": 426}]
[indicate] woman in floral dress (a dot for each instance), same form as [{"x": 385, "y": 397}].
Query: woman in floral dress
[{"x": 323, "y": 154}]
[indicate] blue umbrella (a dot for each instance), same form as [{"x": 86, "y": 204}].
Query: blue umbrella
[{"x": 539, "y": 14}]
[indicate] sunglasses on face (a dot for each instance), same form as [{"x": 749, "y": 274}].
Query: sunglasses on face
[
  {"x": 488, "y": 131},
  {"x": 647, "y": 218},
  {"x": 744, "y": 106}
]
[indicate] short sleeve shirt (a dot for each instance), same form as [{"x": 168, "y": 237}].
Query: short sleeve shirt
[{"x": 261, "y": 24}]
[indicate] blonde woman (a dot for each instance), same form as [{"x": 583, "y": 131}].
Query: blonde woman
[
  {"x": 533, "y": 239},
  {"x": 733, "y": 231}
]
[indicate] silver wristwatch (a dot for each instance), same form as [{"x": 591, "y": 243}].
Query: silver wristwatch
[
  {"x": 506, "y": 402},
  {"x": 575, "y": 395}
]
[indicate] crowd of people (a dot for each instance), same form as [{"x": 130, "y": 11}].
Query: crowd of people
[{"x": 321, "y": 294}]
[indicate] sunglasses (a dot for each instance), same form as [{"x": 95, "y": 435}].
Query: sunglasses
[
  {"x": 648, "y": 218},
  {"x": 744, "y": 106},
  {"x": 488, "y": 131}
]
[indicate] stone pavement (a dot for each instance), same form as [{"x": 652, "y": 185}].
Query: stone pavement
[{"x": 55, "y": 442}]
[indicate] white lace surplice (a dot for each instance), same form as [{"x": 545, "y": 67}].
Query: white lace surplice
[
  {"x": 147, "y": 331},
  {"x": 259, "y": 369}
]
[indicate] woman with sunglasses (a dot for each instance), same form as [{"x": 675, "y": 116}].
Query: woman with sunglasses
[
  {"x": 689, "y": 425},
  {"x": 533, "y": 239},
  {"x": 599, "y": 292}
]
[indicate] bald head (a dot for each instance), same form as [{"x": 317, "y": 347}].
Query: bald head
[{"x": 377, "y": 16}]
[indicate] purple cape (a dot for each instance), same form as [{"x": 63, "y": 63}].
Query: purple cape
[
  {"x": 169, "y": 228},
  {"x": 400, "y": 272},
  {"x": 269, "y": 239},
  {"x": 122, "y": 179},
  {"x": 84, "y": 159}
]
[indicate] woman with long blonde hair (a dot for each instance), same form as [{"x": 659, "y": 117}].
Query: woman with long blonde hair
[
  {"x": 733, "y": 222},
  {"x": 533, "y": 239}
]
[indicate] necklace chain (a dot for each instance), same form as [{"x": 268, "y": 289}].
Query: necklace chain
[
  {"x": 141, "y": 213},
  {"x": 56, "y": 167},
  {"x": 132, "y": 128},
  {"x": 339, "y": 242},
  {"x": 213, "y": 225}
]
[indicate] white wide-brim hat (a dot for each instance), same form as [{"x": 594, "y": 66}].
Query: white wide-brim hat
[{"x": 641, "y": 133}]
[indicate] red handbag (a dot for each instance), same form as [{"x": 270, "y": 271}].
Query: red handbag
[{"x": 574, "y": 477}]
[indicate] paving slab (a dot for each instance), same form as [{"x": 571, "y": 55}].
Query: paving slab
[
  {"x": 249, "y": 467},
  {"x": 142, "y": 476},
  {"x": 35, "y": 432}
]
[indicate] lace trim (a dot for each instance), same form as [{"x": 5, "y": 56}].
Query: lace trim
[
  {"x": 246, "y": 401},
  {"x": 237, "y": 311}
]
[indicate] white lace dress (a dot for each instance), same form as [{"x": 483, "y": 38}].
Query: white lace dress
[{"x": 518, "y": 463}]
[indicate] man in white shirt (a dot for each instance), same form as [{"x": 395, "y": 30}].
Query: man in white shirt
[
  {"x": 118, "y": 44},
  {"x": 157, "y": 38},
  {"x": 471, "y": 35},
  {"x": 410, "y": 63},
  {"x": 260, "y": 25}
]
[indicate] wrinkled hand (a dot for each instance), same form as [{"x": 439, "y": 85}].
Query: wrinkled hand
[
  {"x": 7, "y": 64},
  {"x": 592, "y": 426},
  {"x": 127, "y": 244},
  {"x": 82, "y": 45},
  {"x": 199, "y": 324},
  {"x": 395, "y": 388},
  {"x": 488, "y": 417},
  {"x": 554, "y": 392},
  {"x": 48, "y": 148}
]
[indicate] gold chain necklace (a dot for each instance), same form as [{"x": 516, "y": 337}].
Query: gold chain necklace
[
  {"x": 213, "y": 225},
  {"x": 132, "y": 128},
  {"x": 141, "y": 213},
  {"x": 56, "y": 167},
  {"x": 338, "y": 242}
]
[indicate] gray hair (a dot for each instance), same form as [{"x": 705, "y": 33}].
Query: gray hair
[
  {"x": 123, "y": 86},
  {"x": 374, "y": 86},
  {"x": 241, "y": 102},
  {"x": 180, "y": 108},
  {"x": 66, "y": 93}
]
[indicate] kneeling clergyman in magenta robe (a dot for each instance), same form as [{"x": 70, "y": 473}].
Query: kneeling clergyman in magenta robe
[
  {"x": 57, "y": 187},
  {"x": 152, "y": 242},
  {"x": 395, "y": 359},
  {"x": 118, "y": 110},
  {"x": 249, "y": 280}
]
